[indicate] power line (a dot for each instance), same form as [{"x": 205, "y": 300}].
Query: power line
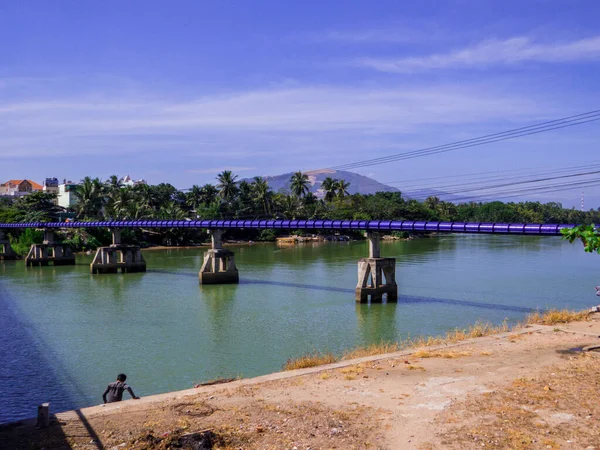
[
  {"x": 565, "y": 122},
  {"x": 531, "y": 190},
  {"x": 535, "y": 180},
  {"x": 451, "y": 187}
]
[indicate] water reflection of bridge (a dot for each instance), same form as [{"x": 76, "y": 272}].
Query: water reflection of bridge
[{"x": 376, "y": 274}]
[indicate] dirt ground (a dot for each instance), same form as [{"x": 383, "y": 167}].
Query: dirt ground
[{"x": 528, "y": 389}]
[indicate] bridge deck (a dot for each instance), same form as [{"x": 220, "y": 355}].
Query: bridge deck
[{"x": 366, "y": 225}]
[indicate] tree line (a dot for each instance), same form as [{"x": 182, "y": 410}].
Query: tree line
[{"x": 229, "y": 198}]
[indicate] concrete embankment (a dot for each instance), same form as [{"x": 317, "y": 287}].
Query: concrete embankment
[{"x": 418, "y": 398}]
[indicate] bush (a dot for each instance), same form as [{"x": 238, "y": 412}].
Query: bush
[
  {"x": 267, "y": 235},
  {"x": 25, "y": 240}
]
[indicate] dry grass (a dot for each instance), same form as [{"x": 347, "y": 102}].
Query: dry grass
[
  {"x": 557, "y": 408},
  {"x": 424, "y": 353},
  {"x": 352, "y": 372},
  {"x": 479, "y": 329},
  {"x": 554, "y": 316},
  {"x": 375, "y": 349},
  {"x": 311, "y": 360}
]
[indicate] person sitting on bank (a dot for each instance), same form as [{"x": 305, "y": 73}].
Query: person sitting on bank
[{"x": 114, "y": 391}]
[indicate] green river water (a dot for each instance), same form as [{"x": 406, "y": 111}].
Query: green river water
[{"x": 65, "y": 334}]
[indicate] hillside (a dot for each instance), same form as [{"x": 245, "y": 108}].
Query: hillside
[{"x": 358, "y": 183}]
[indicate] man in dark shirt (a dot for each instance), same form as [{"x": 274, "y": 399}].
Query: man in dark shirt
[{"x": 114, "y": 391}]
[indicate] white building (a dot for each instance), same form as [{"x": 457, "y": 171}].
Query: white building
[
  {"x": 128, "y": 181},
  {"x": 66, "y": 194}
]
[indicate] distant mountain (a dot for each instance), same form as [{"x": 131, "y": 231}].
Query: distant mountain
[{"x": 359, "y": 184}]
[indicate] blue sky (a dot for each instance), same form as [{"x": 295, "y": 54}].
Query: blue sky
[{"x": 178, "y": 91}]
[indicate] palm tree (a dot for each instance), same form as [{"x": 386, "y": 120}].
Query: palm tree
[
  {"x": 128, "y": 205},
  {"x": 291, "y": 207},
  {"x": 112, "y": 184},
  {"x": 299, "y": 184},
  {"x": 342, "y": 188},
  {"x": 227, "y": 186},
  {"x": 194, "y": 197},
  {"x": 111, "y": 189},
  {"x": 431, "y": 202},
  {"x": 171, "y": 210},
  {"x": 90, "y": 198},
  {"x": 139, "y": 210},
  {"x": 209, "y": 194},
  {"x": 263, "y": 195},
  {"x": 330, "y": 186}
]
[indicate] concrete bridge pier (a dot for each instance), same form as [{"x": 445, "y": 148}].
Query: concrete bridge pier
[
  {"x": 50, "y": 251},
  {"x": 6, "y": 251},
  {"x": 219, "y": 264},
  {"x": 376, "y": 275},
  {"x": 118, "y": 256}
]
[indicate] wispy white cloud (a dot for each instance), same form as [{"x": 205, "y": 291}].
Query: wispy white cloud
[
  {"x": 492, "y": 53},
  {"x": 302, "y": 109}
]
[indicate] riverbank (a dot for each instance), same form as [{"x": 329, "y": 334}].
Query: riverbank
[{"x": 528, "y": 388}]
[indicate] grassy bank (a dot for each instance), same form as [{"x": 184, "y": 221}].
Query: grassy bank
[{"x": 550, "y": 317}]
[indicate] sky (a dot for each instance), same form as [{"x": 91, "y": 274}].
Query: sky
[{"x": 177, "y": 91}]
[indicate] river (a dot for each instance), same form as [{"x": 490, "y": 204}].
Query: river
[{"x": 65, "y": 334}]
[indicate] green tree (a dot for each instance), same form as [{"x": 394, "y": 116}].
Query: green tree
[
  {"x": 291, "y": 207},
  {"x": 330, "y": 187},
  {"x": 227, "y": 186},
  {"x": 299, "y": 184},
  {"x": 244, "y": 201},
  {"x": 431, "y": 202},
  {"x": 90, "y": 199},
  {"x": 209, "y": 194},
  {"x": 588, "y": 234},
  {"x": 263, "y": 196},
  {"x": 194, "y": 197},
  {"x": 129, "y": 205},
  {"x": 342, "y": 188},
  {"x": 38, "y": 207},
  {"x": 113, "y": 184}
]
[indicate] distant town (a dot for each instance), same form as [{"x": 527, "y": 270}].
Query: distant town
[{"x": 64, "y": 191}]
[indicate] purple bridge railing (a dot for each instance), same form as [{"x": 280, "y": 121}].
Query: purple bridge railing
[{"x": 366, "y": 225}]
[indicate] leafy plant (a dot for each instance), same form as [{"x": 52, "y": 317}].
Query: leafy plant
[
  {"x": 267, "y": 235},
  {"x": 24, "y": 240},
  {"x": 589, "y": 235}
]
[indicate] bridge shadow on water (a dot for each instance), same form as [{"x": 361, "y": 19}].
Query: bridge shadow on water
[
  {"x": 31, "y": 375},
  {"x": 402, "y": 299}
]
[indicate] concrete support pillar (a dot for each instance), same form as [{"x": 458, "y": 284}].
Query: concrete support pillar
[
  {"x": 219, "y": 264},
  {"x": 374, "y": 244},
  {"x": 216, "y": 239},
  {"x": 50, "y": 251},
  {"x": 118, "y": 257},
  {"x": 116, "y": 236},
  {"x": 376, "y": 275},
  {"x": 6, "y": 251},
  {"x": 49, "y": 236}
]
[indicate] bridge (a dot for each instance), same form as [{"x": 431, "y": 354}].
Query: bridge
[{"x": 376, "y": 274}]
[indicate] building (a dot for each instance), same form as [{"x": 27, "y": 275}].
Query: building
[
  {"x": 66, "y": 194},
  {"x": 19, "y": 188},
  {"x": 128, "y": 181},
  {"x": 51, "y": 185}
]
